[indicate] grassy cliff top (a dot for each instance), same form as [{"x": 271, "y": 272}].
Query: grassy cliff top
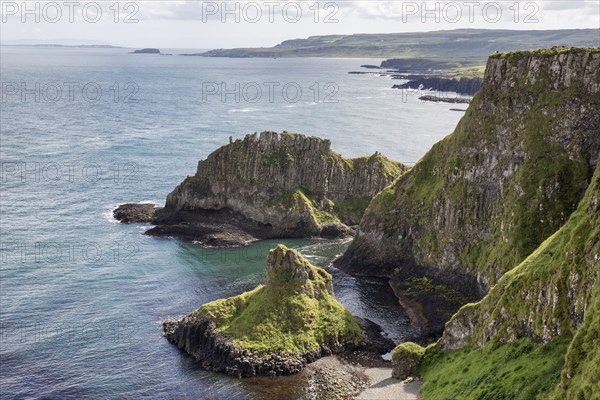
[
  {"x": 547, "y": 52},
  {"x": 294, "y": 312},
  {"x": 459, "y": 46}
]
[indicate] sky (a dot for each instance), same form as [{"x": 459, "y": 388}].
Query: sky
[{"x": 219, "y": 24}]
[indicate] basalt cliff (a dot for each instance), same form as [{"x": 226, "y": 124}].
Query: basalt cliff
[
  {"x": 270, "y": 185},
  {"x": 484, "y": 198},
  {"x": 277, "y": 328},
  {"x": 515, "y": 212}
]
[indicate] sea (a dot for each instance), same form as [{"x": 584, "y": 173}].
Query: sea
[{"x": 82, "y": 297}]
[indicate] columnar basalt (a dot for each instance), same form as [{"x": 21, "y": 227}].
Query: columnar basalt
[
  {"x": 481, "y": 200},
  {"x": 273, "y": 185}
]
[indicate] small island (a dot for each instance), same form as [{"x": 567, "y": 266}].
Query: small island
[
  {"x": 146, "y": 51},
  {"x": 276, "y": 328},
  {"x": 268, "y": 185}
]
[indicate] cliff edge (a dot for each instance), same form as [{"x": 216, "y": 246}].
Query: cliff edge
[{"x": 485, "y": 197}]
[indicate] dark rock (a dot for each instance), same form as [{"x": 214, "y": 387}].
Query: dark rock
[
  {"x": 337, "y": 231},
  {"x": 135, "y": 213},
  {"x": 468, "y": 86},
  {"x": 445, "y": 99}
]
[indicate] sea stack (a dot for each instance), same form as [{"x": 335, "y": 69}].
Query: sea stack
[{"x": 277, "y": 328}]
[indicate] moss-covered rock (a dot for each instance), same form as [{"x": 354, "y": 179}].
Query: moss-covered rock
[
  {"x": 406, "y": 358},
  {"x": 281, "y": 185},
  {"x": 485, "y": 197},
  {"x": 551, "y": 297},
  {"x": 548, "y": 294},
  {"x": 276, "y": 328}
]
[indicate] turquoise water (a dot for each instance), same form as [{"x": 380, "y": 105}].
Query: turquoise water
[{"x": 83, "y": 297}]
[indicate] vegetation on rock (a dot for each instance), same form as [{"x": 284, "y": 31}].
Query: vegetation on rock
[
  {"x": 294, "y": 312},
  {"x": 481, "y": 200},
  {"x": 406, "y": 358},
  {"x": 548, "y": 294},
  {"x": 288, "y": 185},
  {"x": 277, "y": 328}
]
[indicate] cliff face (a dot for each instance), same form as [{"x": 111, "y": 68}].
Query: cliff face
[
  {"x": 481, "y": 200},
  {"x": 548, "y": 295},
  {"x": 540, "y": 319},
  {"x": 291, "y": 183},
  {"x": 275, "y": 329}
]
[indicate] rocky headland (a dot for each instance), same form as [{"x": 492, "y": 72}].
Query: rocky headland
[
  {"x": 481, "y": 200},
  {"x": 467, "y": 86},
  {"x": 506, "y": 210},
  {"x": 277, "y": 328},
  {"x": 269, "y": 185}
]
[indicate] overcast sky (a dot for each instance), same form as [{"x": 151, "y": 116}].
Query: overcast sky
[{"x": 217, "y": 24}]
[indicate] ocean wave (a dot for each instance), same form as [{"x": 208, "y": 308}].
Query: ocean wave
[{"x": 242, "y": 110}]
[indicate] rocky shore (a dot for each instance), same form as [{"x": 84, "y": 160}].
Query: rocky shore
[
  {"x": 438, "y": 99},
  {"x": 278, "y": 328},
  {"x": 468, "y": 86}
]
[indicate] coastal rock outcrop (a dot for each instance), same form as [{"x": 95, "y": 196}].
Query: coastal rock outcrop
[
  {"x": 484, "y": 198},
  {"x": 146, "y": 51},
  {"x": 544, "y": 313},
  {"x": 273, "y": 185},
  {"x": 548, "y": 295},
  {"x": 277, "y": 328},
  {"x": 468, "y": 86},
  {"x": 133, "y": 213}
]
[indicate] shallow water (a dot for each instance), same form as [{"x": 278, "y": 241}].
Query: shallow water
[{"x": 83, "y": 297}]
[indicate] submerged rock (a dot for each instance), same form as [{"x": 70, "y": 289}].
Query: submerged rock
[{"x": 277, "y": 328}]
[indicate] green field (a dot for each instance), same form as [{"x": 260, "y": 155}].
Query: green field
[{"x": 465, "y": 47}]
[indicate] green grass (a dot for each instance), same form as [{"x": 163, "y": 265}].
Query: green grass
[
  {"x": 460, "y": 47},
  {"x": 537, "y": 298},
  {"x": 284, "y": 315},
  {"x": 581, "y": 375},
  {"x": 474, "y": 71},
  {"x": 521, "y": 370},
  {"x": 546, "y": 52},
  {"x": 548, "y": 273},
  {"x": 350, "y": 211}
]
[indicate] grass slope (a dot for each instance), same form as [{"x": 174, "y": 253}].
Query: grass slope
[
  {"x": 541, "y": 300},
  {"x": 521, "y": 370},
  {"x": 285, "y": 315}
]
